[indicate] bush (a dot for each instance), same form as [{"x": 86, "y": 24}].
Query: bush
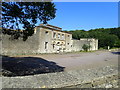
[{"x": 86, "y": 47}]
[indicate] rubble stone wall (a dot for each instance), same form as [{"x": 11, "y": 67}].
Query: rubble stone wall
[{"x": 99, "y": 77}]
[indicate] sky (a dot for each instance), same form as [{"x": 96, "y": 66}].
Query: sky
[{"x": 85, "y": 15}]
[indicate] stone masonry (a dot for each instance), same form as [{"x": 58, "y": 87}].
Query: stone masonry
[{"x": 46, "y": 39}]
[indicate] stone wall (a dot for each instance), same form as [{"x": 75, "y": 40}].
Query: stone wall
[
  {"x": 31, "y": 45},
  {"x": 99, "y": 77},
  {"x": 43, "y": 41},
  {"x": 60, "y": 44},
  {"x": 45, "y": 38},
  {"x": 68, "y": 42},
  {"x": 109, "y": 81},
  {"x": 78, "y": 44}
]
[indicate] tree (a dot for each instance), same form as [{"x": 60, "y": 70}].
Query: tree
[
  {"x": 77, "y": 34},
  {"x": 106, "y": 37},
  {"x": 107, "y": 40},
  {"x": 117, "y": 43},
  {"x": 25, "y": 15},
  {"x": 115, "y": 31},
  {"x": 86, "y": 47}
]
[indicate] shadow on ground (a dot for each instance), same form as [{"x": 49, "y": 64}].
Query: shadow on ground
[
  {"x": 22, "y": 66},
  {"x": 116, "y": 53}
]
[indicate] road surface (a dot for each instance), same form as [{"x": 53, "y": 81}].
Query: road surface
[{"x": 83, "y": 60}]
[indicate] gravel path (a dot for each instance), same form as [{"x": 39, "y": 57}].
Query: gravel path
[
  {"x": 49, "y": 63},
  {"x": 77, "y": 67},
  {"x": 82, "y": 60}
]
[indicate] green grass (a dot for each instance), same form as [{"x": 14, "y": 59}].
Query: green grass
[{"x": 115, "y": 48}]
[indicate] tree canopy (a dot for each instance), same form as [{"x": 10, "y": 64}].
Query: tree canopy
[
  {"x": 25, "y": 15},
  {"x": 86, "y": 47},
  {"x": 106, "y": 37}
]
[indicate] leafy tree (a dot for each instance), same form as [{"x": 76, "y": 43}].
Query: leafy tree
[
  {"x": 117, "y": 43},
  {"x": 77, "y": 34},
  {"x": 25, "y": 15},
  {"x": 86, "y": 47},
  {"x": 107, "y": 40},
  {"x": 106, "y": 37},
  {"x": 115, "y": 31}
]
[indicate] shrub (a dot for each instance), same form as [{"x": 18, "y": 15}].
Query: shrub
[{"x": 86, "y": 47}]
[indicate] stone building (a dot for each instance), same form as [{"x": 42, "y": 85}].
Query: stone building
[
  {"x": 53, "y": 39},
  {"x": 46, "y": 39}
]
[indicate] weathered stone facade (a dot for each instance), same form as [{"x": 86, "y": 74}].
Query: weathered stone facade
[
  {"x": 46, "y": 39},
  {"x": 77, "y": 44},
  {"x": 53, "y": 39}
]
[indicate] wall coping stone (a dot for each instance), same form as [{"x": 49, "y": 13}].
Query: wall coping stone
[{"x": 63, "y": 79}]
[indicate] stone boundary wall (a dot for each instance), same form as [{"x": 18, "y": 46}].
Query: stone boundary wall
[
  {"x": 108, "y": 81},
  {"x": 100, "y": 77},
  {"x": 10, "y": 47},
  {"x": 78, "y": 44},
  {"x": 35, "y": 44}
]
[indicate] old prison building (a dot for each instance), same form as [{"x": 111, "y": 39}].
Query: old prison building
[{"x": 46, "y": 39}]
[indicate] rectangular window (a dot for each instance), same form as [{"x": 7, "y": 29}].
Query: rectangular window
[
  {"x": 63, "y": 37},
  {"x": 58, "y": 35},
  {"x": 46, "y": 45},
  {"x": 53, "y": 46},
  {"x": 54, "y": 35}
]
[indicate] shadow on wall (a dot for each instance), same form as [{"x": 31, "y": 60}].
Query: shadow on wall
[
  {"x": 22, "y": 66},
  {"x": 116, "y": 53}
]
